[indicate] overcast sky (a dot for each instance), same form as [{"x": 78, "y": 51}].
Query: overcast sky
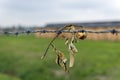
[{"x": 40, "y": 12}]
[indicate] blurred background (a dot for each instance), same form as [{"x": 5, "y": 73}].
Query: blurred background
[{"x": 20, "y": 56}]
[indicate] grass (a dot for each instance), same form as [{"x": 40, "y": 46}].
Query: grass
[
  {"x": 20, "y": 59},
  {"x": 6, "y": 77}
]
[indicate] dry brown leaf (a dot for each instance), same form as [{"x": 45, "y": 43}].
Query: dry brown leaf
[
  {"x": 61, "y": 60},
  {"x": 71, "y": 59},
  {"x": 73, "y": 48},
  {"x": 72, "y": 51}
]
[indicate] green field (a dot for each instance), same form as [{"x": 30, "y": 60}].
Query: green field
[{"x": 20, "y": 59}]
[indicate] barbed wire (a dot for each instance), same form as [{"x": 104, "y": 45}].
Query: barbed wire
[{"x": 113, "y": 31}]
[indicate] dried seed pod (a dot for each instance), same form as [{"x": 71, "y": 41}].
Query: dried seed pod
[{"x": 81, "y": 35}]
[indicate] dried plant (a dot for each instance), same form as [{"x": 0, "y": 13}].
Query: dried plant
[{"x": 61, "y": 60}]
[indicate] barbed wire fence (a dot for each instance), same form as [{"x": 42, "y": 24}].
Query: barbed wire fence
[{"x": 112, "y": 31}]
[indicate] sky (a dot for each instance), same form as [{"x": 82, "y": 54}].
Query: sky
[{"x": 41, "y": 12}]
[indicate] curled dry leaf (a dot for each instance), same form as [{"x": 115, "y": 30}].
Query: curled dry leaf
[
  {"x": 60, "y": 59},
  {"x": 72, "y": 48},
  {"x": 71, "y": 59},
  {"x": 72, "y": 51}
]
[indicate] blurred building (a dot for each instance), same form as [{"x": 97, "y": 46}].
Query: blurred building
[{"x": 88, "y": 24}]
